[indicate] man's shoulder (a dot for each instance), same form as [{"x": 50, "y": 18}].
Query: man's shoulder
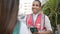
[{"x": 45, "y": 15}]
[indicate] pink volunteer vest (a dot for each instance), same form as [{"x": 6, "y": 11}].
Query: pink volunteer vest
[{"x": 37, "y": 22}]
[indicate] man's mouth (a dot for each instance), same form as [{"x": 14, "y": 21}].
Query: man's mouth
[{"x": 34, "y": 9}]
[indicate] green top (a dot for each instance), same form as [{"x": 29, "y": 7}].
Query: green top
[{"x": 17, "y": 28}]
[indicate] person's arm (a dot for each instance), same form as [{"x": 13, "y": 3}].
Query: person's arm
[
  {"x": 46, "y": 32},
  {"x": 48, "y": 26}
]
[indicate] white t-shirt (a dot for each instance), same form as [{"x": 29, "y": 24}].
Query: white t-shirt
[{"x": 47, "y": 21}]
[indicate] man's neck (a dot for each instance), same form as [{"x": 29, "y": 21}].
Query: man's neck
[{"x": 36, "y": 13}]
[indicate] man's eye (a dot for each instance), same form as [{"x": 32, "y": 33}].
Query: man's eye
[
  {"x": 36, "y": 5},
  {"x": 33, "y": 5}
]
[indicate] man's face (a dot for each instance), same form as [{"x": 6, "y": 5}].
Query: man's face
[{"x": 36, "y": 7}]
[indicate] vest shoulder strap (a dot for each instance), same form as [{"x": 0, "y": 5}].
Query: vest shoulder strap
[
  {"x": 43, "y": 17},
  {"x": 27, "y": 18}
]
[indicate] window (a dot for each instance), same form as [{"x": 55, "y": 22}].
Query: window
[{"x": 25, "y": 7}]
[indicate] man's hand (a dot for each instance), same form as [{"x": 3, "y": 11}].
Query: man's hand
[
  {"x": 46, "y": 32},
  {"x": 36, "y": 33}
]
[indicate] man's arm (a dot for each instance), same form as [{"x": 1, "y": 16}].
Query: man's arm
[
  {"x": 48, "y": 27},
  {"x": 46, "y": 32}
]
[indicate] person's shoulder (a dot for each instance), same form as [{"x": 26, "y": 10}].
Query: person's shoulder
[{"x": 45, "y": 15}]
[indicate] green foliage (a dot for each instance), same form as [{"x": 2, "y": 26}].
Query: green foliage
[
  {"x": 52, "y": 9},
  {"x": 58, "y": 19}
]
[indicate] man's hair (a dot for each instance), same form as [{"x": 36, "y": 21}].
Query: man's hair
[{"x": 38, "y": 1}]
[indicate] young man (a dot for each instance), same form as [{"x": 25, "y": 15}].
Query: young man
[{"x": 36, "y": 20}]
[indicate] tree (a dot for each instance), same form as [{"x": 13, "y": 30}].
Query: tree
[{"x": 52, "y": 9}]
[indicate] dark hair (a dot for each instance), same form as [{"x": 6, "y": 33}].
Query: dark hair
[{"x": 38, "y": 1}]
